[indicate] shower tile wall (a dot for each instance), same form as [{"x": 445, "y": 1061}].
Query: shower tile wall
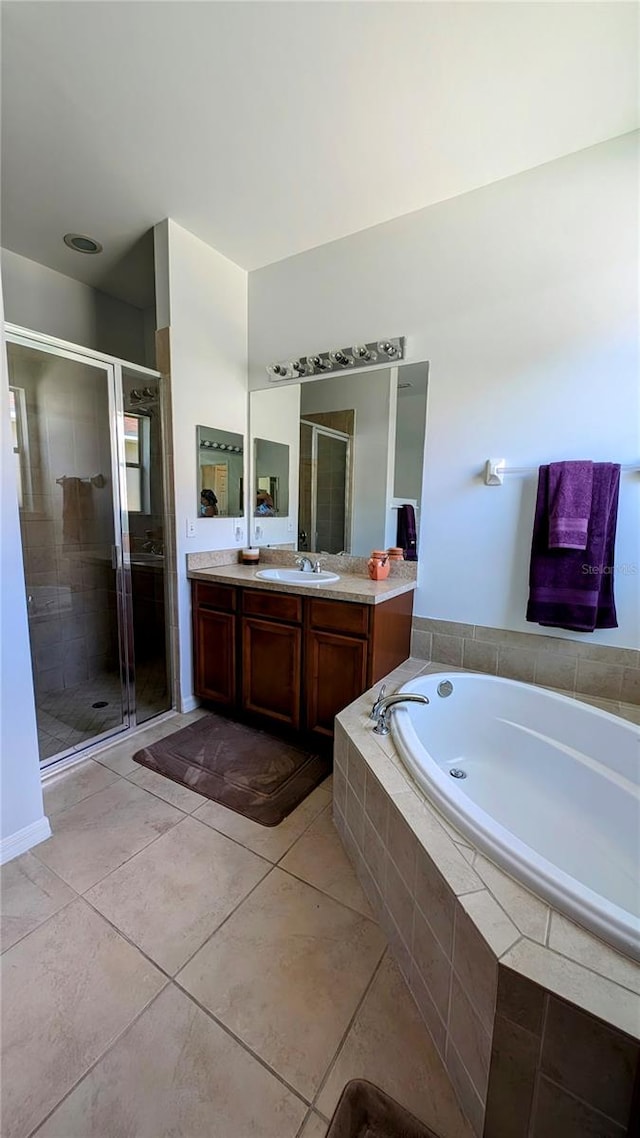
[
  {"x": 304, "y": 509},
  {"x": 331, "y": 507},
  {"x": 332, "y": 475}
]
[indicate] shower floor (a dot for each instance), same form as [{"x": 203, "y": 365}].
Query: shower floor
[{"x": 68, "y": 718}]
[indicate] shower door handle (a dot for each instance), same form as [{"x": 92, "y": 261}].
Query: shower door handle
[{"x": 115, "y": 556}]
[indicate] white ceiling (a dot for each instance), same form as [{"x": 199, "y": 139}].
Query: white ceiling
[{"x": 269, "y": 128}]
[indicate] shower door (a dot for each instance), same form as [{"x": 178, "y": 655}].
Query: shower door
[
  {"x": 324, "y": 513},
  {"x": 75, "y": 468}
]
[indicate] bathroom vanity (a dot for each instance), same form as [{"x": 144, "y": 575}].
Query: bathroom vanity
[{"x": 294, "y": 656}]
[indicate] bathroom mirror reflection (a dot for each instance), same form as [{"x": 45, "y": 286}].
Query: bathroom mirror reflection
[
  {"x": 357, "y": 445},
  {"x": 220, "y": 458},
  {"x": 271, "y": 467}
]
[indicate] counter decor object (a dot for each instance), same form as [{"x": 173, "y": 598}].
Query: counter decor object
[
  {"x": 378, "y": 565},
  {"x": 250, "y": 556},
  {"x": 396, "y": 553}
]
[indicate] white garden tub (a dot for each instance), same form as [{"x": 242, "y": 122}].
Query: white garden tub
[{"x": 550, "y": 790}]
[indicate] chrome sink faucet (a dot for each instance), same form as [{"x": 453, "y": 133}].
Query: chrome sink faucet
[
  {"x": 306, "y": 564},
  {"x": 384, "y": 705}
]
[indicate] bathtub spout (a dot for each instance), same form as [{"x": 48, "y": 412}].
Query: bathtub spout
[{"x": 385, "y": 706}]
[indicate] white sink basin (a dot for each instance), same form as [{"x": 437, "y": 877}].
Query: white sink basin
[{"x": 297, "y": 577}]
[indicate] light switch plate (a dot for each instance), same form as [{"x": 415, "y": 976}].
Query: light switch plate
[{"x": 191, "y": 527}]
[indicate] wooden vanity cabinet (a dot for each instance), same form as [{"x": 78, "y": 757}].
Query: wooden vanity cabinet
[
  {"x": 336, "y": 658},
  {"x": 272, "y": 655},
  {"x": 291, "y": 659},
  {"x": 214, "y": 642}
]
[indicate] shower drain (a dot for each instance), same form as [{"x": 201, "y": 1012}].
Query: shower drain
[
  {"x": 455, "y": 772},
  {"x": 101, "y": 703}
]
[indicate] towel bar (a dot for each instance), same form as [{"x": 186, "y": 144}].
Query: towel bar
[
  {"x": 495, "y": 470},
  {"x": 95, "y": 480}
]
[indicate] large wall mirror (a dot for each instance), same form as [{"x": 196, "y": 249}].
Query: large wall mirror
[
  {"x": 220, "y": 458},
  {"x": 356, "y": 445}
]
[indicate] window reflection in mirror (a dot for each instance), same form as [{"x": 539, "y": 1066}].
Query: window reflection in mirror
[
  {"x": 272, "y": 479},
  {"x": 220, "y": 456}
]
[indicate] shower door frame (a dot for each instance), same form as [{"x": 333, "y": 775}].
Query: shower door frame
[
  {"x": 320, "y": 429},
  {"x": 112, "y": 366}
]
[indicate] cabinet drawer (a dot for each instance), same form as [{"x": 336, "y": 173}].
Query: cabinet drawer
[
  {"x": 221, "y": 597},
  {"x": 273, "y": 606},
  {"x": 339, "y": 616}
]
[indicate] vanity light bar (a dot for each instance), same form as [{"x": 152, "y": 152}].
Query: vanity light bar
[
  {"x": 340, "y": 359},
  {"x": 208, "y": 445}
]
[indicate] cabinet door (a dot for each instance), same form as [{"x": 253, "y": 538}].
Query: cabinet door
[
  {"x": 336, "y": 674},
  {"x": 215, "y": 656},
  {"x": 271, "y": 660}
]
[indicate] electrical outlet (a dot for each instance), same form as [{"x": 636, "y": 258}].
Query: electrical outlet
[{"x": 191, "y": 527}]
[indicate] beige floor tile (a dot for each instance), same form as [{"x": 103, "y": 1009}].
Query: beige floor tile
[
  {"x": 98, "y": 834},
  {"x": 69, "y": 989},
  {"x": 76, "y": 784},
  {"x": 29, "y": 894},
  {"x": 118, "y": 758},
  {"x": 314, "y": 1127},
  {"x": 177, "y": 1073},
  {"x": 172, "y": 792},
  {"x": 285, "y": 973},
  {"x": 271, "y": 842},
  {"x": 319, "y": 858},
  {"x": 389, "y": 1045},
  {"x": 171, "y": 896}
]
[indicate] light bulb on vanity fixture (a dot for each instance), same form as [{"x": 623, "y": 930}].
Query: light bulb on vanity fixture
[
  {"x": 387, "y": 348},
  {"x": 277, "y": 371},
  {"x": 363, "y": 354},
  {"x": 341, "y": 358},
  {"x": 316, "y": 363}
]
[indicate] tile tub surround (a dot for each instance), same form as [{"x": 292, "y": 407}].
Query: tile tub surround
[
  {"x": 556, "y": 1072},
  {"x": 574, "y": 667},
  {"x": 455, "y": 921}
]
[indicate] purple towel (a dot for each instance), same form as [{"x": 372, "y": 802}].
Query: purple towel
[
  {"x": 573, "y": 588},
  {"x": 406, "y": 532},
  {"x": 570, "y": 489}
]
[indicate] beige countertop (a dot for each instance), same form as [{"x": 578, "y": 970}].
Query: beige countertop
[{"x": 349, "y": 588}]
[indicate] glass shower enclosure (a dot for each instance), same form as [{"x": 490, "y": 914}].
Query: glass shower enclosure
[
  {"x": 324, "y": 506},
  {"x": 88, "y": 446}
]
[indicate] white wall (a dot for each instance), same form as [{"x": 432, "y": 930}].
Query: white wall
[
  {"x": 275, "y": 415},
  {"x": 43, "y": 300},
  {"x": 207, "y": 310},
  {"x": 372, "y": 397},
  {"x": 22, "y": 820},
  {"x": 523, "y": 296},
  {"x": 411, "y": 418}
]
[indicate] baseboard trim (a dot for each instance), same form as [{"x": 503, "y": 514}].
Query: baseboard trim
[
  {"x": 189, "y": 703},
  {"x": 24, "y": 839}
]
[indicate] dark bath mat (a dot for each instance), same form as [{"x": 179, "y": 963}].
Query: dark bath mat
[
  {"x": 245, "y": 769},
  {"x": 364, "y": 1111}
]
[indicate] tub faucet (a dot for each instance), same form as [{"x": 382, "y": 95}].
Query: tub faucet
[{"x": 384, "y": 705}]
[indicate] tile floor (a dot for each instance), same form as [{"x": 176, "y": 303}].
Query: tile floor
[{"x": 171, "y": 968}]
